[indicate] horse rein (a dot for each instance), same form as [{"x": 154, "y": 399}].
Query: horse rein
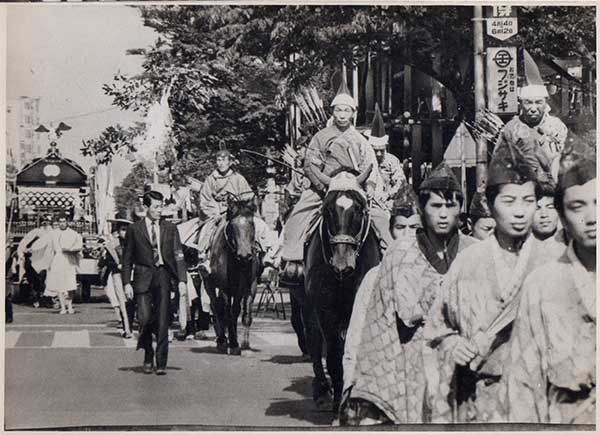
[{"x": 357, "y": 241}]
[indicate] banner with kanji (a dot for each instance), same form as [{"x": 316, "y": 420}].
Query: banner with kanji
[{"x": 502, "y": 79}]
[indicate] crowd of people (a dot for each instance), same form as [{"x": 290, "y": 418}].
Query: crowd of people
[{"x": 497, "y": 325}]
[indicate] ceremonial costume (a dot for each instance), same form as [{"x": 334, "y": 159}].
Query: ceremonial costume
[
  {"x": 213, "y": 204},
  {"x": 552, "y": 373},
  {"x": 552, "y": 368},
  {"x": 540, "y": 142},
  {"x": 62, "y": 273},
  {"x": 384, "y": 377},
  {"x": 478, "y": 304},
  {"x": 329, "y": 150}
]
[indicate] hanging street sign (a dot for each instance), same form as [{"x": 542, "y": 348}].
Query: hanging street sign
[
  {"x": 502, "y": 22},
  {"x": 502, "y": 79}
]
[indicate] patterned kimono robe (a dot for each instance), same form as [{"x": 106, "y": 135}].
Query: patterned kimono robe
[
  {"x": 552, "y": 372},
  {"x": 329, "y": 150},
  {"x": 480, "y": 295},
  {"x": 386, "y": 369}
]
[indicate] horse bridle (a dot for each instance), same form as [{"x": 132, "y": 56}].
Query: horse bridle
[{"x": 356, "y": 241}]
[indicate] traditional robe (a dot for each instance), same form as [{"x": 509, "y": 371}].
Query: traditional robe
[
  {"x": 546, "y": 139},
  {"x": 385, "y": 365},
  {"x": 329, "y": 149},
  {"x": 480, "y": 295},
  {"x": 216, "y": 187},
  {"x": 551, "y": 376}
]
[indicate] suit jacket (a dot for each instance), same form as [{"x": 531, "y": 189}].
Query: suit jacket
[{"x": 138, "y": 253}]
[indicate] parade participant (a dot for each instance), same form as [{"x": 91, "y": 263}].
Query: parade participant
[
  {"x": 552, "y": 372},
  {"x": 540, "y": 136},
  {"x": 155, "y": 251},
  {"x": 222, "y": 184},
  {"x": 387, "y": 381},
  {"x": 336, "y": 146},
  {"x": 472, "y": 320},
  {"x": 406, "y": 219},
  {"x": 481, "y": 221},
  {"x": 36, "y": 279},
  {"x": 389, "y": 166},
  {"x": 112, "y": 260},
  {"x": 545, "y": 219},
  {"x": 65, "y": 252}
]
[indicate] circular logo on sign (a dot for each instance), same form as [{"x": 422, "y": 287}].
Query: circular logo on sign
[
  {"x": 503, "y": 58},
  {"x": 51, "y": 170}
]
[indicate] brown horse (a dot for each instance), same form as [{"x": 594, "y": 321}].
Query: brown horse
[
  {"x": 231, "y": 286},
  {"x": 336, "y": 258}
]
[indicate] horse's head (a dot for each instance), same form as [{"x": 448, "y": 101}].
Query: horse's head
[
  {"x": 239, "y": 231},
  {"x": 345, "y": 219}
]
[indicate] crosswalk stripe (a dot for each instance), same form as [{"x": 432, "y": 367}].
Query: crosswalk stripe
[
  {"x": 11, "y": 338},
  {"x": 77, "y": 339}
]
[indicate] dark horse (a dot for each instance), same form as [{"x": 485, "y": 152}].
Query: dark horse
[
  {"x": 336, "y": 258},
  {"x": 231, "y": 285}
]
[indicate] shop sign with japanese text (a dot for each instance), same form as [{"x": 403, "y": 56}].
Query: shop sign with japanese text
[
  {"x": 502, "y": 79},
  {"x": 502, "y": 22}
]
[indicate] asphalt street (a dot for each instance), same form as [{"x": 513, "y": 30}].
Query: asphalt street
[{"x": 76, "y": 371}]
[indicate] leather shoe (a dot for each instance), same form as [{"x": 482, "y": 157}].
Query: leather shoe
[
  {"x": 161, "y": 371},
  {"x": 148, "y": 368}
]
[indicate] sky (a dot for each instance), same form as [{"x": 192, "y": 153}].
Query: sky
[{"x": 64, "y": 54}]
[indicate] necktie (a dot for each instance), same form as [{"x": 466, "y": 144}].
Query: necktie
[{"x": 155, "y": 258}]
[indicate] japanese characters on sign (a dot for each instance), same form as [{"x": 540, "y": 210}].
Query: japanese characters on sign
[
  {"x": 502, "y": 79},
  {"x": 502, "y": 22}
]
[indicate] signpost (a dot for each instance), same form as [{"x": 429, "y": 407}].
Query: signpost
[
  {"x": 502, "y": 79},
  {"x": 502, "y": 22}
]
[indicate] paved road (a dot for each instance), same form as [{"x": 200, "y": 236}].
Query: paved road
[{"x": 76, "y": 371}]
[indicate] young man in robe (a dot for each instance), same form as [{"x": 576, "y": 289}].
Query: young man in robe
[
  {"x": 552, "y": 372},
  {"x": 388, "y": 382},
  {"x": 470, "y": 323}
]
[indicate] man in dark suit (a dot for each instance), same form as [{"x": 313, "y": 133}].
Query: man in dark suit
[{"x": 153, "y": 252}]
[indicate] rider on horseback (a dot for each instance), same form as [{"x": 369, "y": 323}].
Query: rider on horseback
[
  {"x": 224, "y": 183},
  {"x": 338, "y": 145}
]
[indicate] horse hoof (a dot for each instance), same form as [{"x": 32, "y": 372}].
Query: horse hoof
[
  {"x": 235, "y": 351},
  {"x": 245, "y": 345},
  {"x": 222, "y": 348}
]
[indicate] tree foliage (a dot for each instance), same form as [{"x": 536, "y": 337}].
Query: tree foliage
[
  {"x": 231, "y": 72},
  {"x": 127, "y": 193}
]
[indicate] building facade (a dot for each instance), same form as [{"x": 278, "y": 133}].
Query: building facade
[{"x": 22, "y": 118}]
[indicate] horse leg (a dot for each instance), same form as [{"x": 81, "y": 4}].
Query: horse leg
[
  {"x": 335, "y": 351},
  {"x": 234, "y": 308},
  {"x": 314, "y": 341},
  {"x": 246, "y": 320},
  {"x": 218, "y": 308}
]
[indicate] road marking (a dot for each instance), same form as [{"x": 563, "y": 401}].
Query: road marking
[
  {"x": 77, "y": 339},
  {"x": 11, "y": 338}
]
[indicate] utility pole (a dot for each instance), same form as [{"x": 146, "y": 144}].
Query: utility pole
[{"x": 481, "y": 148}]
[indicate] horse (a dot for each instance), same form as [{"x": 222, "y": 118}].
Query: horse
[
  {"x": 235, "y": 268},
  {"x": 337, "y": 255}
]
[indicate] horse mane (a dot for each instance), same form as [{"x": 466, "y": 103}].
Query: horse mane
[{"x": 244, "y": 208}]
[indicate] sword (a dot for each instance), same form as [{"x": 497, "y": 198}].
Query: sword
[{"x": 279, "y": 162}]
